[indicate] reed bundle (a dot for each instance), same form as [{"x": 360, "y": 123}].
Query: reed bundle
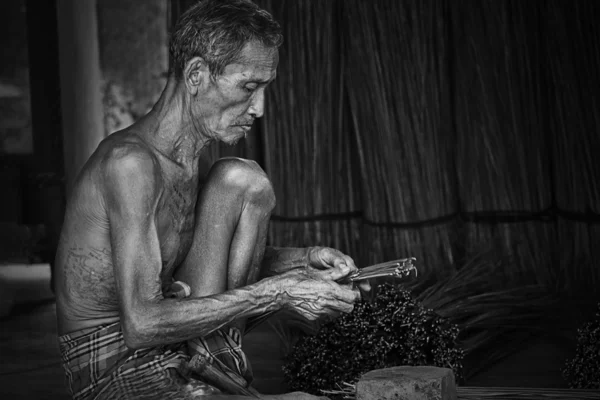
[
  {"x": 307, "y": 146},
  {"x": 416, "y": 154},
  {"x": 501, "y": 151},
  {"x": 397, "y": 87},
  {"x": 572, "y": 44},
  {"x": 495, "y": 318}
]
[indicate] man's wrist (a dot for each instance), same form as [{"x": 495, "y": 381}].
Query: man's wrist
[{"x": 271, "y": 288}]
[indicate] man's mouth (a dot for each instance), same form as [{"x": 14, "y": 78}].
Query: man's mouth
[
  {"x": 245, "y": 128},
  {"x": 246, "y": 123}
]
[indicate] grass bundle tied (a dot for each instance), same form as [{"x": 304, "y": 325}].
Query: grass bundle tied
[
  {"x": 572, "y": 47},
  {"x": 495, "y": 318},
  {"x": 306, "y": 145},
  {"x": 397, "y": 89},
  {"x": 501, "y": 152}
]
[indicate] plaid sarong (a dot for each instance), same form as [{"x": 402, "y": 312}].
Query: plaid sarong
[{"x": 98, "y": 365}]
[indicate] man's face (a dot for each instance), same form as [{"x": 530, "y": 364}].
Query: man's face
[{"x": 235, "y": 98}]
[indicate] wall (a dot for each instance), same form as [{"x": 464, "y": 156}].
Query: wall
[
  {"x": 133, "y": 40},
  {"x": 15, "y": 108}
]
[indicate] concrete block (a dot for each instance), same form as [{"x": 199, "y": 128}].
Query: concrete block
[{"x": 407, "y": 383}]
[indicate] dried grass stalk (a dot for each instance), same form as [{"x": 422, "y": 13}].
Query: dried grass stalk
[
  {"x": 573, "y": 52},
  {"x": 502, "y": 161},
  {"x": 397, "y": 85},
  {"x": 306, "y": 146}
]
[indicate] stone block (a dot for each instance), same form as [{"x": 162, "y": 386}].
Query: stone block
[{"x": 407, "y": 383}]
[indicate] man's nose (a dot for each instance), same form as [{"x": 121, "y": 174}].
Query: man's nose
[{"x": 257, "y": 106}]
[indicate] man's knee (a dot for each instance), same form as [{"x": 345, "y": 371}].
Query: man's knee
[{"x": 245, "y": 178}]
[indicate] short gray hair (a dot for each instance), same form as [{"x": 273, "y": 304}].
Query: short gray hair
[{"x": 217, "y": 30}]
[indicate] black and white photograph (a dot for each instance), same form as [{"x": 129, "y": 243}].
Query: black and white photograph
[{"x": 299, "y": 199}]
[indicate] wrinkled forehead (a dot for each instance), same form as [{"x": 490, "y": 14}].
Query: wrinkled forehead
[{"x": 256, "y": 62}]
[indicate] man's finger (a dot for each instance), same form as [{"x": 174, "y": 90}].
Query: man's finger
[
  {"x": 348, "y": 294},
  {"x": 340, "y": 271},
  {"x": 357, "y": 293},
  {"x": 338, "y": 262},
  {"x": 365, "y": 285},
  {"x": 350, "y": 262}
]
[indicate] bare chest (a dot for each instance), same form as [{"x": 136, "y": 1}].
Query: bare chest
[{"x": 175, "y": 223}]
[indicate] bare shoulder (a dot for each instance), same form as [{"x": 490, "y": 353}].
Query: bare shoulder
[
  {"x": 126, "y": 163},
  {"x": 125, "y": 153}
]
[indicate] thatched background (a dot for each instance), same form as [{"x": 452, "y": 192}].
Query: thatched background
[
  {"x": 462, "y": 133},
  {"x": 434, "y": 128}
]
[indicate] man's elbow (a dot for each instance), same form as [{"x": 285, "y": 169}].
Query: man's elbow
[
  {"x": 136, "y": 332},
  {"x": 134, "y": 341}
]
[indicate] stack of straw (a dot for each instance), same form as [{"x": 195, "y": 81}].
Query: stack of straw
[
  {"x": 572, "y": 45},
  {"x": 495, "y": 319},
  {"x": 501, "y": 151},
  {"x": 307, "y": 145},
  {"x": 397, "y": 82},
  {"x": 415, "y": 152}
]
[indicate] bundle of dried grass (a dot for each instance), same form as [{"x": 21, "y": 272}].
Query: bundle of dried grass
[
  {"x": 501, "y": 152},
  {"x": 397, "y": 86},
  {"x": 399, "y": 98},
  {"x": 306, "y": 143},
  {"x": 496, "y": 318},
  {"x": 572, "y": 48}
]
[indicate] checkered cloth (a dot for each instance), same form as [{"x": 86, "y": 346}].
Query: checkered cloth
[{"x": 98, "y": 365}]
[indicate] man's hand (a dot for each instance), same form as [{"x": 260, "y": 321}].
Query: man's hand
[
  {"x": 328, "y": 258},
  {"x": 315, "y": 293}
]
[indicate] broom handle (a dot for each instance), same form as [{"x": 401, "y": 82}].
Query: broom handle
[{"x": 396, "y": 268}]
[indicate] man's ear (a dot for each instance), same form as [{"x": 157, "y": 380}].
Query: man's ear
[{"x": 196, "y": 75}]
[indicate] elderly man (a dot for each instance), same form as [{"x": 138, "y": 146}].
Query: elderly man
[{"x": 154, "y": 268}]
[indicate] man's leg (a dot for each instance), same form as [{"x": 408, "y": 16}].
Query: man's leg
[{"x": 232, "y": 216}]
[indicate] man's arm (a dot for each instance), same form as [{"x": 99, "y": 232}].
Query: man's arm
[
  {"x": 278, "y": 260},
  {"x": 133, "y": 185}
]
